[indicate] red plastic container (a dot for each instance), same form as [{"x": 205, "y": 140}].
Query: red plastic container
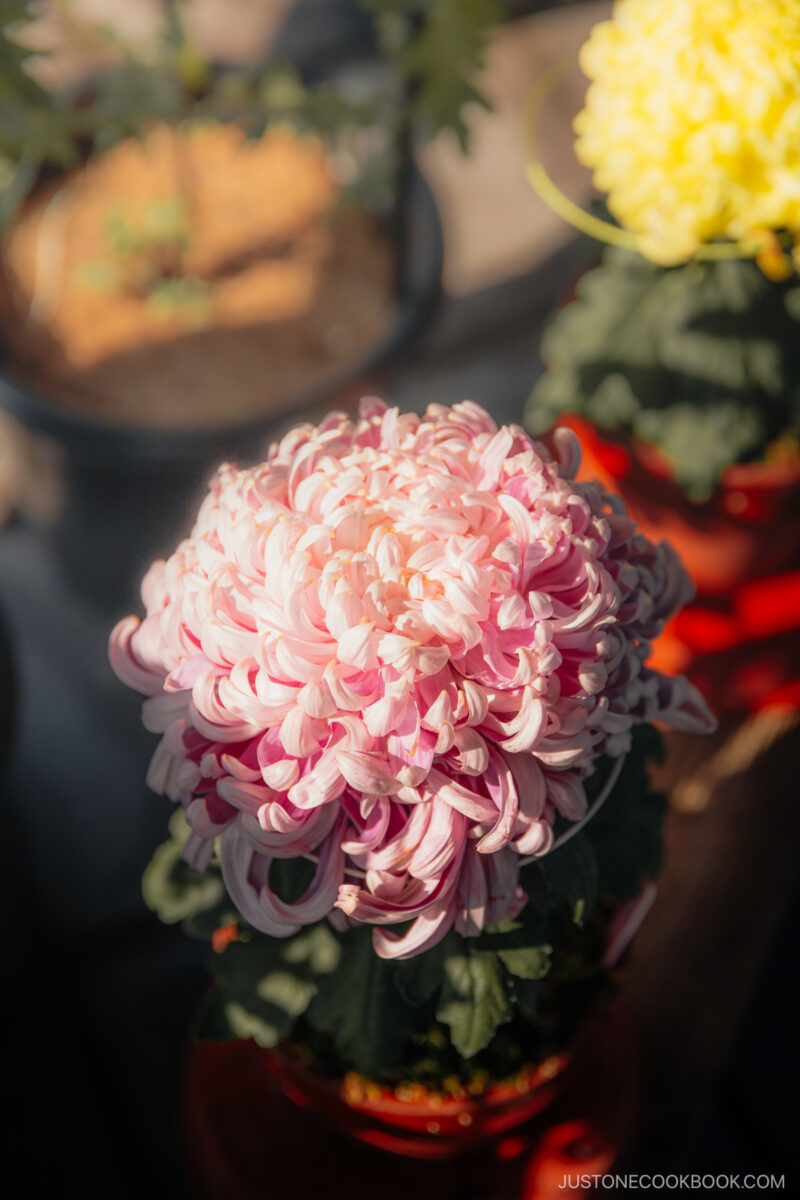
[
  {"x": 750, "y": 527},
  {"x": 739, "y": 640},
  {"x": 257, "y": 1128},
  {"x": 417, "y": 1123}
]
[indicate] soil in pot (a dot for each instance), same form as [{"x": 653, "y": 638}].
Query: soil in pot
[
  {"x": 454, "y": 1118},
  {"x": 192, "y": 279}
]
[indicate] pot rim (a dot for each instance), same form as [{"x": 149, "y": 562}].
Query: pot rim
[{"x": 388, "y": 1104}]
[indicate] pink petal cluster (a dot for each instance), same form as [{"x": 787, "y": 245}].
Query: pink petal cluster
[{"x": 398, "y": 647}]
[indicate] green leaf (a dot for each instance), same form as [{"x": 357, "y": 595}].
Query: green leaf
[
  {"x": 15, "y": 82},
  {"x": 99, "y": 274},
  {"x": 527, "y": 962},
  {"x": 289, "y": 878},
  {"x": 165, "y": 223},
  {"x": 530, "y": 928},
  {"x": 123, "y": 238},
  {"x": 32, "y": 128},
  {"x": 701, "y": 441},
  {"x": 361, "y": 1008},
  {"x": 211, "y": 1023},
  {"x": 262, "y": 996},
  {"x": 247, "y": 1023},
  {"x": 701, "y": 360},
  {"x": 15, "y": 180},
  {"x": 290, "y": 993},
  {"x": 473, "y": 1002},
  {"x": 627, "y": 833},
  {"x": 263, "y": 984},
  {"x": 203, "y": 923},
  {"x": 439, "y": 47},
  {"x": 570, "y": 876},
  {"x": 504, "y": 927},
  {"x": 444, "y": 59},
  {"x": 185, "y": 297},
  {"x": 421, "y": 977},
  {"x": 173, "y": 889},
  {"x": 527, "y": 996},
  {"x": 316, "y": 948}
]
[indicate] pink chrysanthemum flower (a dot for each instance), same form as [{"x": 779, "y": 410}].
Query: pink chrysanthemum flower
[{"x": 398, "y": 647}]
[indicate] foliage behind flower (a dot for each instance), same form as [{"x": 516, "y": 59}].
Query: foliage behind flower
[
  {"x": 692, "y": 121},
  {"x": 399, "y": 646},
  {"x": 701, "y": 360}
]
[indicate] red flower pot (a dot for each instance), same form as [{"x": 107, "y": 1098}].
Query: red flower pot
[
  {"x": 414, "y": 1121},
  {"x": 740, "y": 640},
  {"x": 258, "y": 1124},
  {"x": 744, "y": 655},
  {"x": 749, "y": 528}
]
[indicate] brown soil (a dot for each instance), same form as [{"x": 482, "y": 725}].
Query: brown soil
[{"x": 292, "y": 289}]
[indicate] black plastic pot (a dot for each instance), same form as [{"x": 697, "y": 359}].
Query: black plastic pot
[
  {"x": 131, "y": 493},
  {"x": 318, "y": 33}
]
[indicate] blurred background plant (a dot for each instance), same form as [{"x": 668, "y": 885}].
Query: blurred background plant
[
  {"x": 433, "y": 50},
  {"x": 86, "y": 212},
  {"x": 33, "y": 130},
  {"x": 700, "y": 360},
  {"x": 686, "y": 337}
]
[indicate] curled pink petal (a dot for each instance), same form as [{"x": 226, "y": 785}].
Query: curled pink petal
[
  {"x": 125, "y": 662},
  {"x": 367, "y": 772},
  {"x": 426, "y": 932},
  {"x": 246, "y": 875}
]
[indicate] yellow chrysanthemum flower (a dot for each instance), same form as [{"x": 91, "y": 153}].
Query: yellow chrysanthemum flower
[{"x": 692, "y": 121}]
